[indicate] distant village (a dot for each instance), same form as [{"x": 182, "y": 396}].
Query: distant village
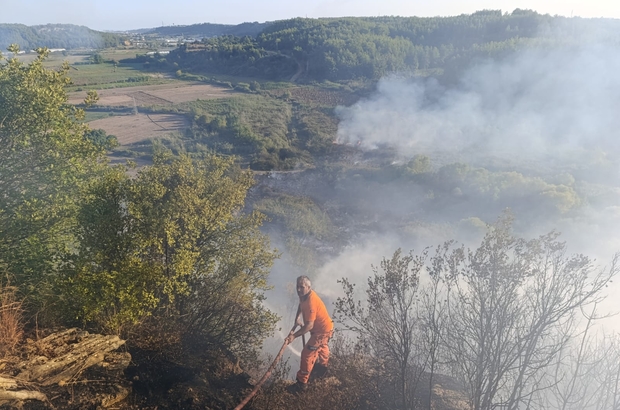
[
  {"x": 163, "y": 45},
  {"x": 151, "y": 41}
]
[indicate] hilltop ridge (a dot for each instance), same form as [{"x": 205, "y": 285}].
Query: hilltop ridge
[
  {"x": 203, "y": 30},
  {"x": 66, "y": 36}
]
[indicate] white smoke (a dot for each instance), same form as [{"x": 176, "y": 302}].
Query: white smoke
[
  {"x": 551, "y": 115},
  {"x": 533, "y": 105},
  {"x": 554, "y": 114}
]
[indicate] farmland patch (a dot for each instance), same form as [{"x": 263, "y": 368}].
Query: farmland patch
[
  {"x": 130, "y": 129},
  {"x": 162, "y": 94},
  {"x": 313, "y": 95}
]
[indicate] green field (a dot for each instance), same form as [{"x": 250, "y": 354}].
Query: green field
[
  {"x": 96, "y": 115},
  {"x": 110, "y": 74},
  {"x": 106, "y": 75}
]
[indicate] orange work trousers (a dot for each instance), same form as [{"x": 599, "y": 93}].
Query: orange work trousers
[{"x": 315, "y": 349}]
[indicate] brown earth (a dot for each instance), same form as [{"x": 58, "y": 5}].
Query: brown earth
[
  {"x": 130, "y": 129},
  {"x": 161, "y": 94}
]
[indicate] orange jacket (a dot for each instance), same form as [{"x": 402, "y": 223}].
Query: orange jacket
[{"x": 313, "y": 309}]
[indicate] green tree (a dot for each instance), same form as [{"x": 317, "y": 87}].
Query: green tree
[
  {"x": 45, "y": 162},
  {"x": 255, "y": 86},
  {"x": 173, "y": 244},
  {"x": 101, "y": 139},
  {"x": 97, "y": 59}
]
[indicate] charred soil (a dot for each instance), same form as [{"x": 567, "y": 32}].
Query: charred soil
[{"x": 73, "y": 369}]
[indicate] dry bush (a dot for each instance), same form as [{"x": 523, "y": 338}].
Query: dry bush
[
  {"x": 11, "y": 326},
  {"x": 352, "y": 383},
  {"x": 279, "y": 373},
  {"x": 356, "y": 381},
  {"x": 338, "y": 391},
  {"x": 156, "y": 334}
]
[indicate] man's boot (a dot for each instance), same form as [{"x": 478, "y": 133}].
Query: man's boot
[
  {"x": 318, "y": 371},
  {"x": 297, "y": 387}
]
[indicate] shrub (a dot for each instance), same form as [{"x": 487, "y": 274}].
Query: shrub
[
  {"x": 255, "y": 86},
  {"x": 243, "y": 87},
  {"x": 172, "y": 246}
]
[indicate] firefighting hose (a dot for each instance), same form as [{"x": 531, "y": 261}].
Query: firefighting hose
[{"x": 269, "y": 370}]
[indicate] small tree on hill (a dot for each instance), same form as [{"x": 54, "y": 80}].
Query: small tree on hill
[
  {"x": 513, "y": 309},
  {"x": 387, "y": 321}
]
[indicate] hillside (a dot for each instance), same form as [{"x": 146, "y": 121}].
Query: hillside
[
  {"x": 340, "y": 49},
  {"x": 206, "y": 30},
  {"x": 66, "y": 36}
]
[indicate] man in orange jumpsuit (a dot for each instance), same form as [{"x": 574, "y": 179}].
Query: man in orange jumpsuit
[{"x": 316, "y": 320}]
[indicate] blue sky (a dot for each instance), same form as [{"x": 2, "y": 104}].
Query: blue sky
[{"x": 133, "y": 14}]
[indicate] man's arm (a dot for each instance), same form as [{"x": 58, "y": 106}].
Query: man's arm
[{"x": 304, "y": 329}]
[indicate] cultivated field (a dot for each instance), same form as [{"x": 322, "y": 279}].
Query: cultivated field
[
  {"x": 130, "y": 129},
  {"x": 313, "y": 95},
  {"x": 149, "y": 95}
]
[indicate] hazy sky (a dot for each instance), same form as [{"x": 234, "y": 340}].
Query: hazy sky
[{"x": 123, "y": 14}]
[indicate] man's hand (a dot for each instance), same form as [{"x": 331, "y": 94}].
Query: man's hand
[{"x": 289, "y": 339}]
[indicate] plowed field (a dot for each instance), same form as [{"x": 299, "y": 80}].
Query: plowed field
[
  {"x": 130, "y": 129},
  {"x": 163, "y": 94}
]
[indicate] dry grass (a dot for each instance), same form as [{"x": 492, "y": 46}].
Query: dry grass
[
  {"x": 351, "y": 384},
  {"x": 11, "y": 327},
  {"x": 356, "y": 381},
  {"x": 156, "y": 334}
]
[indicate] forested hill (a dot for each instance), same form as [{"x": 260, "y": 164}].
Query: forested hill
[
  {"x": 210, "y": 30},
  {"x": 55, "y": 36},
  {"x": 348, "y": 48}
]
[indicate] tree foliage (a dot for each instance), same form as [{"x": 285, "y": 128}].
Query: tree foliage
[
  {"x": 500, "y": 318},
  {"x": 102, "y": 139},
  {"x": 206, "y": 30},
  {"x": 514, "y": 307},
  {"x": 371, "y": 47},
  {"x": 95, "y": 247},
  {"x": 172, "y": 243},
  {"x": 387, "y": 321},
  {"x": 45, "y": 163}
]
